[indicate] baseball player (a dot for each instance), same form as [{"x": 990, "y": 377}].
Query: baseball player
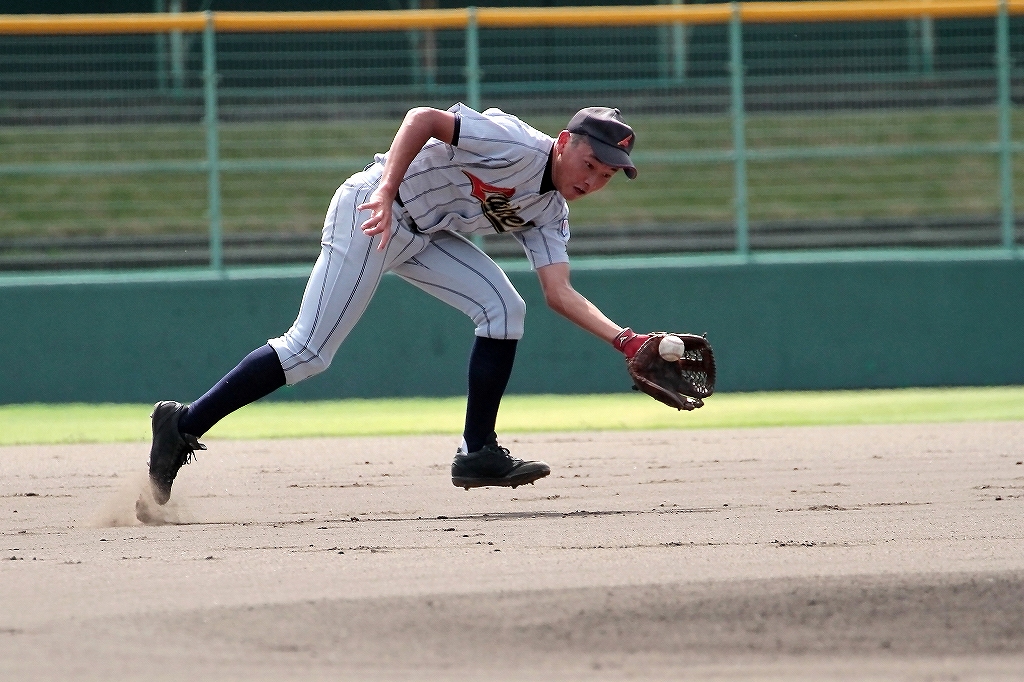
[{"x": 448, "y": 174}]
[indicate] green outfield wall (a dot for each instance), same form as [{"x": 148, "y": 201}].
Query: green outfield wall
[{"x": 777, "y": 322}]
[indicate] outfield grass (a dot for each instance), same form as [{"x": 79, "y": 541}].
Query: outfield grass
[
  {"x": 665, "y": 192},
  {"x": 80, "y": 423}
]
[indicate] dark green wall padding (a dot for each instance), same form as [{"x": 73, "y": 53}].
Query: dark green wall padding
[{"x": 775, "y": 326}]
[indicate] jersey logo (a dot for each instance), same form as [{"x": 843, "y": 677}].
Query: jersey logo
[{"x": 496, "y": 205}]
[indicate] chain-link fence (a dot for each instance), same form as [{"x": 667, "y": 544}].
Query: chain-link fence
[{"x": 219, "y": 138}]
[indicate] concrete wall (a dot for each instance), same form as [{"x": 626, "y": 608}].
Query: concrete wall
[{"x": 775, "y": 324}]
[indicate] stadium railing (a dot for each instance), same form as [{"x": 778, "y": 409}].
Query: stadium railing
[{"x": 217, "y": 138}]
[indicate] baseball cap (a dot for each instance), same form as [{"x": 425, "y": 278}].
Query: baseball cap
[{"x": 610, "y": 138}]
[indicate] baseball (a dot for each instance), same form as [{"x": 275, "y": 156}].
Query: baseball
[{"x": 671, "y": 348}]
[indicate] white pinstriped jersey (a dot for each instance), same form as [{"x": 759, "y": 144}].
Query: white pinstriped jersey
[{"x": 489, "y": 180}]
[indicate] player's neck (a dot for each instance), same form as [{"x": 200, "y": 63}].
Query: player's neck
[{"x": 546, "y": 183}]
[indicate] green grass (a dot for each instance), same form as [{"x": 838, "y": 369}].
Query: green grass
[
  {"x": 62, "y": 205},
  {"x": 80, "y": 423}
]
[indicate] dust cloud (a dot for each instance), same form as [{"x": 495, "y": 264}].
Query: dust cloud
[{"x": 132, "y": 504}]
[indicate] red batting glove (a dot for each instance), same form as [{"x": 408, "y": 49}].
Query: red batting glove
[{"x": 628, "y": 342}]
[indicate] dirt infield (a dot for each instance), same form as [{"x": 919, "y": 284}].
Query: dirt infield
[{"x": 847, "y": 553}]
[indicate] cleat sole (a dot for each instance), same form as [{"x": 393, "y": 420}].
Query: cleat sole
[{"x": 512, "y": 482}]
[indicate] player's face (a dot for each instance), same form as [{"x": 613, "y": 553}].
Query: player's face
[{"x": 575, "y": 171}]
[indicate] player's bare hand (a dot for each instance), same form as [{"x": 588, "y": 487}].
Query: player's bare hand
[{"x": 380, "y": 218}]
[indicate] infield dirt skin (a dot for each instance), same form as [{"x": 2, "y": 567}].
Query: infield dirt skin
[{"x": 818, "y": 553}]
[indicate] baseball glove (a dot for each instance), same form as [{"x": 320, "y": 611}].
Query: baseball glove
[{"x": 682, "y": 384}]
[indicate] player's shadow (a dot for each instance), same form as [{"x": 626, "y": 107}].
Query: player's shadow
[{"x": 549, "y": 514}]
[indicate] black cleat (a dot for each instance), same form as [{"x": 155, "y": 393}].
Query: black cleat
[
  {"x": 171, "y": 450},
  {"x": 493, "y": 465}
]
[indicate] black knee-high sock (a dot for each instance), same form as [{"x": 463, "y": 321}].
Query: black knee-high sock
[
  {"x": 490, "y": 366},
  {"x": 257, "y": 375}
]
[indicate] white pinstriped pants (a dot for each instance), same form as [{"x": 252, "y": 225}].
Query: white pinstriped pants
[{"x": 445, "y": 265}]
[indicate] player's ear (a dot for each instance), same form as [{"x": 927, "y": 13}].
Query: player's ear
[{"x": 562, "y": 141}]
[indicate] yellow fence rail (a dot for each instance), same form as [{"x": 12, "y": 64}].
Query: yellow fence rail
[{"x": 493, "y": 17}]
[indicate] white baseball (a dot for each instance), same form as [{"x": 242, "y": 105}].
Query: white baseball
[{"x": 671, "y": 348}]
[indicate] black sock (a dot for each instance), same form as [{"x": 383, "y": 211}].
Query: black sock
[
  {"x": 257, "y": 375},
  {"x": 490, "y": 366}
]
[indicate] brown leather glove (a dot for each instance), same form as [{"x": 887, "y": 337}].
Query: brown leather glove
[{"x": 683, "y": 383}]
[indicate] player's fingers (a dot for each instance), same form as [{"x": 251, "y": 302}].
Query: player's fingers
[
  {"x": 373, "y": 204},
  {"x": 385, "y": 237},
  {"x": 374, "y": 224},
  {"x": 374, "y": 207}
]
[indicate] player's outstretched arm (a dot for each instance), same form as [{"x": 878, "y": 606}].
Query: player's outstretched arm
[
  {"x": 572, "y": 305},
  {"x": 420, "y": 124}
]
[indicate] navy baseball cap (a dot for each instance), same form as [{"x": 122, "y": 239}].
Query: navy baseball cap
[{"x": 610, "y": 138}]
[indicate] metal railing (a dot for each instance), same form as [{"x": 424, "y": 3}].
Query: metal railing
[{"x": 679, "y": 84}]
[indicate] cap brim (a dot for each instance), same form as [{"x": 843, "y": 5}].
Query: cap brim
[{"x": 615, "y": 157}]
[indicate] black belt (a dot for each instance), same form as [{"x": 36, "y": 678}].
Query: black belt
[{"x": 408, "y": 216}]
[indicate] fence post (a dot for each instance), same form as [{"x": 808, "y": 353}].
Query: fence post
[
  {"x": 739, "y": 138},
  {"x": 212, "y": 143},
  {"x": 160, "y": 40},
  {"x": 177, "y": 55},
  {"x": 921, "y": 45},
  {"x": 1005, "y": 140},
  {"x": 473, "y": 76},
  {"x": 472, "y": 60},
  {"x": 678, "y": 48},
  {"x": 928, "y": 44}
]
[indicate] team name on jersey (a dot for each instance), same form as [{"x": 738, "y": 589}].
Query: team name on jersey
[{"x": 497, "y": 206}]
